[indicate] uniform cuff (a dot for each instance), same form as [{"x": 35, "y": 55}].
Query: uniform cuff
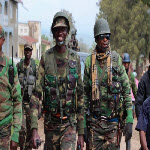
[
  {"x": 15, "y": 137},
  {"x": 34, "y": 124},
  {"x": 129, "y": 116},
  {"x": 81, "y": 131}
]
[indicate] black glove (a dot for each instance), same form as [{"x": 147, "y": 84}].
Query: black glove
[{"x": 128, "y": 131}]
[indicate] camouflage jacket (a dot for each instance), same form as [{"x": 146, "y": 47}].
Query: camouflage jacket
[
  {"x": 11, "y": 100},
  {"x": 132, "y": 84},
  {"x": 55, "y": 65},
  {"x": 27, "y": 79},
  {"x": 109, "y": 101}
]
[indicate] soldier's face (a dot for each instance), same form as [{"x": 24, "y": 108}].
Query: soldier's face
[
  {"x": 60, "y": 33},
  {"x": 126, "y": 65},
  {"x": 103, "y": 41},
  {"x": 27, "y": 53},
  {"x": 2, "y": 40}
]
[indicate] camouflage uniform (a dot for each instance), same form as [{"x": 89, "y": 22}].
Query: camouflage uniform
[
  {"x": 10, "y": 104},
  {"x": 25, "y": 73},
  {"x": 132, "y": 83},
  {"x": 60, "y": 76},
  {"x": 73, "y": 42},
  {"x": 105, "y": 104}
]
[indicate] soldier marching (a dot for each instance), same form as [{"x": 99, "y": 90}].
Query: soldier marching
[{"x": 102, "y": 100}]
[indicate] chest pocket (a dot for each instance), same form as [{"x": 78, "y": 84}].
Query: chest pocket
[
  {"x": 71, "y": 87},
  {"x": 116, "y": 87},
  {"x": 51, "y": 102}
]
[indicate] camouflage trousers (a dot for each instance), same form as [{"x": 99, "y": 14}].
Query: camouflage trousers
[
  {"x": 5, "y": 134},
  {"x": 25, "y": 132},
  {"x": 103, "y": 135},
  {"x": 60, "y": 137}
]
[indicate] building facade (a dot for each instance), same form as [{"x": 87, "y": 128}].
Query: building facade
[
  {"x": 9, "y": 21},
  {"x": 30, "y": 33}
]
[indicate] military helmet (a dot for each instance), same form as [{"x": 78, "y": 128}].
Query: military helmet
[
  {"x": 125, "y": 58},
  {"x": 101, "y": 27},
  {"x": 73, "y": 31},
  {"x": 60, "y": 15}
]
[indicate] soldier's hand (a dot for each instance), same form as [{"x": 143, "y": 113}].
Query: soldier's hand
[
  {"x": 128, "y": 131},
  {"x": 13, "y": 145},
  {"x": 34, "y": 137},
  {"x": 81, "y": 141}
]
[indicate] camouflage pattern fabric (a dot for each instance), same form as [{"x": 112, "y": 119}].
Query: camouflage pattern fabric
[
  {"x": 103, "y": 135},
  {"x": 132, "y": 83},
  {"x": 11, "y": 101},
  {"x": 73, "y": 44},
  {"x": 60, "y": 137},
  {"x": 113, "y": 99},
  {"x": 5, "y": 131},
  {"x": 25, "y": 132},
  {"x": 120, "y": 85},
  {"x": 47, "y": 66}
]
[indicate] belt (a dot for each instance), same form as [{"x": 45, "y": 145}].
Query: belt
[{"x": 105, "y": 118}]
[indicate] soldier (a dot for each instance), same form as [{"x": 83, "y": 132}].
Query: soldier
[
  {"x": 106, "y": 89},
  {"x": 10, "y": 101},
  {"x": 60, "y": 77},
  {"x": 73, "y": 43},
  {"x": 126, "y": 63},
  {"x": 27, "y": 75}
]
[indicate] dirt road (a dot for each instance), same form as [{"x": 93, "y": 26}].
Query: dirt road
[{"x": 135, "y": 142}]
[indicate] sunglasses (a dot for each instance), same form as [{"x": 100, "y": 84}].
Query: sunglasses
[{"x": 102, "y": 36}]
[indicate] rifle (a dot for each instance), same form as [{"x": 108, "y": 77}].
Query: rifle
[
  {"x": 38, "y": 143},
  {"x": 79, "y": 147},
  {"x": 11, "y": 71},
  {"x": 128, "y": 144}
]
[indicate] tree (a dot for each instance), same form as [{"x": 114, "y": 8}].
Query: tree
[
  {"x": 147, "y": 2},
  {"x": 71, "y": 20},
  {"x": 83, "y": 47},
  {"x": 129, "y": 23},
  {"x": 43, "y": 47}
]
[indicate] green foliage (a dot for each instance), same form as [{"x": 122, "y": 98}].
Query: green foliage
[
  {"x": 147, "y": 2},
  {"x": 129, "y": 24},
  {"x": 37, "y": 61},
  {"x": 43, "y": 47},
  {"x": 71, "y": 20},
  {"x": 44, "y": 37}
]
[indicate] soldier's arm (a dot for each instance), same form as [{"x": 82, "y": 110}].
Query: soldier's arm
[
  {"x": 80, "y": 101},
  {"x": 17, "y": 107},
  {"x": 134, "y": 87},
  {"x": 87, "y": 83},
  {"x": 140, "y": 97},
  {"x": 126, "y": 91},
  {"x": 36, "y": 95}
]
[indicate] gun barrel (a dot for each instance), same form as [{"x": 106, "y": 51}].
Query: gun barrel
[
  {"x": 128, "y": 144},
  {"x": 12, "y": 55}
]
